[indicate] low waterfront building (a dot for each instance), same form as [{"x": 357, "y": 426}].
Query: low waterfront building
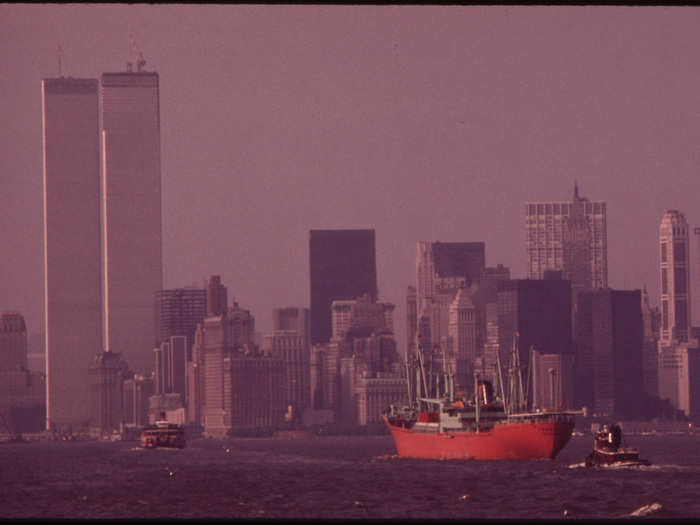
[
  {"x": 232, "y": 385},
  {"x": 107, "y": 375},
  {"x": 679, "y": 371},
  {"x": 22, "y": 392},
  {"x": 137, "y": 391}
]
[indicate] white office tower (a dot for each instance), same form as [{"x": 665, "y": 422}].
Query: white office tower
[{"x": 675, "y": 279}]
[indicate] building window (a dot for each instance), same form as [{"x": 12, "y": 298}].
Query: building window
[
  {"x": 664, "y": 281},
  {"x": 664, "y": 315},
  {"x": 679, "y": 252},
  {"x": 681, "y": 313},
  {"x": 679, "y": 281},
  {"x": 664, "y": 257}
]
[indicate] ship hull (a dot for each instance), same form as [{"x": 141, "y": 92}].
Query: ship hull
[{"x": 510, "y": 441}]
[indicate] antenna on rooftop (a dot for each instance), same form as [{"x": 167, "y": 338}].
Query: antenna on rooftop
[{"x": 137, "y": 54}]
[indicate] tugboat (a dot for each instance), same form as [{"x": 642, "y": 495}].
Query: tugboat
[
  {"x": 607, "y": 450},
  {"x": 163, "y": 434}
]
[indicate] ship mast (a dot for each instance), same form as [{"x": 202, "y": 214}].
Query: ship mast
[
  {"x": 477, "y": 404},
  {"x": 519, "y": 371},
  {"x": 408, "y": 381},
  {"x": 500, "y": 381},
  {"x": 529, "y": 374},
  {"x": 421, "y": 365}
]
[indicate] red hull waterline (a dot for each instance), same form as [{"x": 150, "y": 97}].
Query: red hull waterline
[{"x": 531, "y": 440}]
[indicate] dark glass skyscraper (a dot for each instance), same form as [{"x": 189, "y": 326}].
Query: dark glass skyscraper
[
  {"x": 177, "y": 312},
  {"x": 609, "y": 340},
  {"x": 539, "y": 311},
  {"x": 342, "y": 267}
]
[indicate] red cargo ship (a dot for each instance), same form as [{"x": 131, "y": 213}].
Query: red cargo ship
[
  {"x": 528, "y": 435},
  {"x": 484, "y": 427}
]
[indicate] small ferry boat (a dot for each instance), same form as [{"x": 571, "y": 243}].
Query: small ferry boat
[
  {"x": 608, "y": 450},
  {"x": 163, "y": 434}
]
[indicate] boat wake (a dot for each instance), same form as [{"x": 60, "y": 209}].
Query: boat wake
[
  {"x": 667, "y": 468},
  {"x": 386, "y": 457},
  {"x": 623, "y": 466},
  {"x": 646, "y": 510},
  {"x": 165, "y": 449}
]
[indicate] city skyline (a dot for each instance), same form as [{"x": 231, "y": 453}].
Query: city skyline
[{"x": 359, "y": 117}]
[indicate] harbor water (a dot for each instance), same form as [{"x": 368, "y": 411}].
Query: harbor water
[{"x": 338, "y": 477}]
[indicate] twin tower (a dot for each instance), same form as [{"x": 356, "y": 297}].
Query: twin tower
[{"x": 102, "y": 230}]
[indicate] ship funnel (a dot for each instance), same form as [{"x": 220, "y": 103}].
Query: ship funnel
[{"x": 485, "y": 392}]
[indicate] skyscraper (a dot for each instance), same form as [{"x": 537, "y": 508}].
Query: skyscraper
[
  {"x": 464, "y": 337},
  {"x": 217, "y": 296},
  {"x": 238, "y": 387},
  {"x": 675, "y": 279},
  {"x": 72, "y": 275},
  {"x": 342, "y": 266},
  {"x": 177, "y": 312},
  {"x": 539, "y": 311},
  {"x": 442, "y": 266},
  {"x": 289, "y": 342},
  {"x": 609, "y": 342},
  {"x": 570, "y": 236},
  {"x": 292, "y": 318},
  {"x": 131, "y": 212},
  {"x": 441, "y": 269},
  {"x": 13, "y": 341},
  {"x": 22, "y": 392}
]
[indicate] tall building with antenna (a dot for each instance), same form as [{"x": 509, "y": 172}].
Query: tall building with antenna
[
  {"x": 72, "y": 275},
  {"x": 569, "y": 236},
  {"x": 131, "y": 211}
]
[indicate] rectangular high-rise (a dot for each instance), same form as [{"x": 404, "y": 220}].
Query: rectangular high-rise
[
  {"x": 674, "y": 257},
  {"x": 342, "y": 266},
  {"x": 609, "y": 341},
  {"x": 131, "y": 185},
  {"x": 539, "y": 311},
  {"x": 177, "y": 312},
  {"x": 570, "y": 236},
  {"x": 72, "y": 274}
]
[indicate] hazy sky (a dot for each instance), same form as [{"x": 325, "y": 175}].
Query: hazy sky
[{"x": 424, "y": 123}]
